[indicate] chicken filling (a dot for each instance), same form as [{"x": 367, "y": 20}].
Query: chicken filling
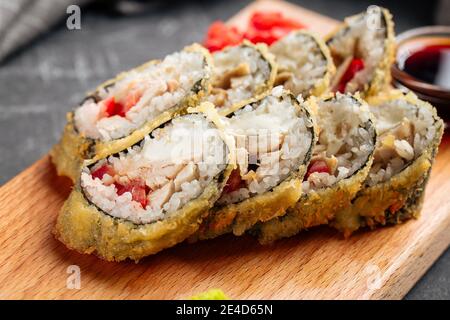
[
  {"x": 117, "y": 110},
  {"x": 404, "y": 132},
  {"x": 273, "y": 137},
  {"x": 345, "y": 141},
  {"x": 161, "y": 174},
  {"x": 240, "y": 73},
  {"x": 301, "y": 62}
]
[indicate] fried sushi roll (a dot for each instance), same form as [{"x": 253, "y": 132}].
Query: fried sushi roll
[
  {"x": 274, "y": 140},
  {"x": 149, "y": 196},
  {"x": 123, "y": 110},
  {"x": 409, "y": 135},
  {"x": 341, "y": 161},
  {"x": 363, "y": 51},
  {"x": 241, "y": 74},
  {"x": 304, "y": 64}
]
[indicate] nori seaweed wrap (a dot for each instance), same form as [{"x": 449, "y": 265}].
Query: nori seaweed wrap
[
  {"x": 341, "y": 161},
  {"x": 149, "y": 196},
  {"x": 121, "y": 111},
  {"x": 409, "y": 135}
]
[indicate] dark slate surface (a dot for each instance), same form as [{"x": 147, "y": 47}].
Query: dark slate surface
[{"x": 39, "y": 84}]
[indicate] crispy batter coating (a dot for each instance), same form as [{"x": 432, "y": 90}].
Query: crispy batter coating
[
  {"x": 399, "y": 198},
  {"x": 73, "y": 148},
  {"x": 81, "y": 226}
]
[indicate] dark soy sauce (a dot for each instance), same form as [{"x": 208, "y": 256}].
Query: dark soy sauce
[{"x": 431, "y": 64}]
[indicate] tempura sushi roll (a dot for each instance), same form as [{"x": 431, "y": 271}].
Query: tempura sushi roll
[
  {"x": 274, "y": 139},
  {"x": 341, "y": 161},
  {"x": 409, "y": 133},
  {"x": 123, "y": 110},
  {"x": 241, "y": 74},
  {"x": 304, "y": 63},
  {"x": 363, "y": 51},
  {"x": 149, "y": 196}
]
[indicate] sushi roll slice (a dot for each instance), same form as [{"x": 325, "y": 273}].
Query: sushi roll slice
[
  {"x": 409, "y": 133},
  {"x": 149, "y": 196},
  {"x": 274, "y": 138},
  {"x": 123, "y": 110},
  {"x": 241, "y": 74},
  {"x": 363, "y": 51},
  {"x": 304, "y": 64},
  {"x": 341, "y": 161}
]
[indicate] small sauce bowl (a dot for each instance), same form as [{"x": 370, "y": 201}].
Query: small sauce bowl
[{"x": 420, "y": 52}]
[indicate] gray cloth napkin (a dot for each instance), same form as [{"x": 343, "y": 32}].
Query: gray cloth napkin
[{"x": 23, "y": 20}]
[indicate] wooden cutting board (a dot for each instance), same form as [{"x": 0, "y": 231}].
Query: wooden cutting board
[{"x": 316, "y": 264}]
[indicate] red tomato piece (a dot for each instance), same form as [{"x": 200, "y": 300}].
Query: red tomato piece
[
  {"x": 101, "y": 171},
  {"x": 234, "y": 182},
  {"x": 354, "y": 66},
  {"x": 317, "y": 166},
  {"x": 138, "y": 191},
  {"x": 113, "y": 108},
  {"x": 220, "y": 35}
]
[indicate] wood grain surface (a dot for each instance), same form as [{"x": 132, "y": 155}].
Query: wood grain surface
[{"x": 316, "y": 264}]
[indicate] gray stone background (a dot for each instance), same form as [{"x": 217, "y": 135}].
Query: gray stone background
[{"x": 44, "y": 80}]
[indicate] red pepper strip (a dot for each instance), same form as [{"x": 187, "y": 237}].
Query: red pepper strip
[
  {"x": 234, "y": 182},
  {"x": 138, "y": 191},
  {"x": 355, "y": 66},
  {"x": 114, "y": 108},
  {"x": 101, "y": 171},
  {"x": 220, "y": 35},
  {"x": 317, "y": 166}
]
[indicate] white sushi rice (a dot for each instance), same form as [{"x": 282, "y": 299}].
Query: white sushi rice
[
  {"x": 404, "y": 132},
  {"x": 344, "y": 143},
  {"x": 272, "y": 140},
  {"x": 162, "y": 86},
  {"x": 301, "y": 63},
  {"x": 176, "y": 162},
  {"x": 238, "y": 73},
  {"x": 361, "y": 39}
]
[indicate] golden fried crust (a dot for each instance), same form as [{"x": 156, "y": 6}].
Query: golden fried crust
[
  {"x": 81, "y": 226},
  {"x": 322, "y": 86},
  {"x": 315, "y": 208},
  {"x": 262, "y": 90},
  {"x": 239, "y": 217},
  {"x": 73, "y": 148},
  {"x": 382, "y": 75},
  {"x": 400, "y": 197},
  {"x": 69, "y": 153}
]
